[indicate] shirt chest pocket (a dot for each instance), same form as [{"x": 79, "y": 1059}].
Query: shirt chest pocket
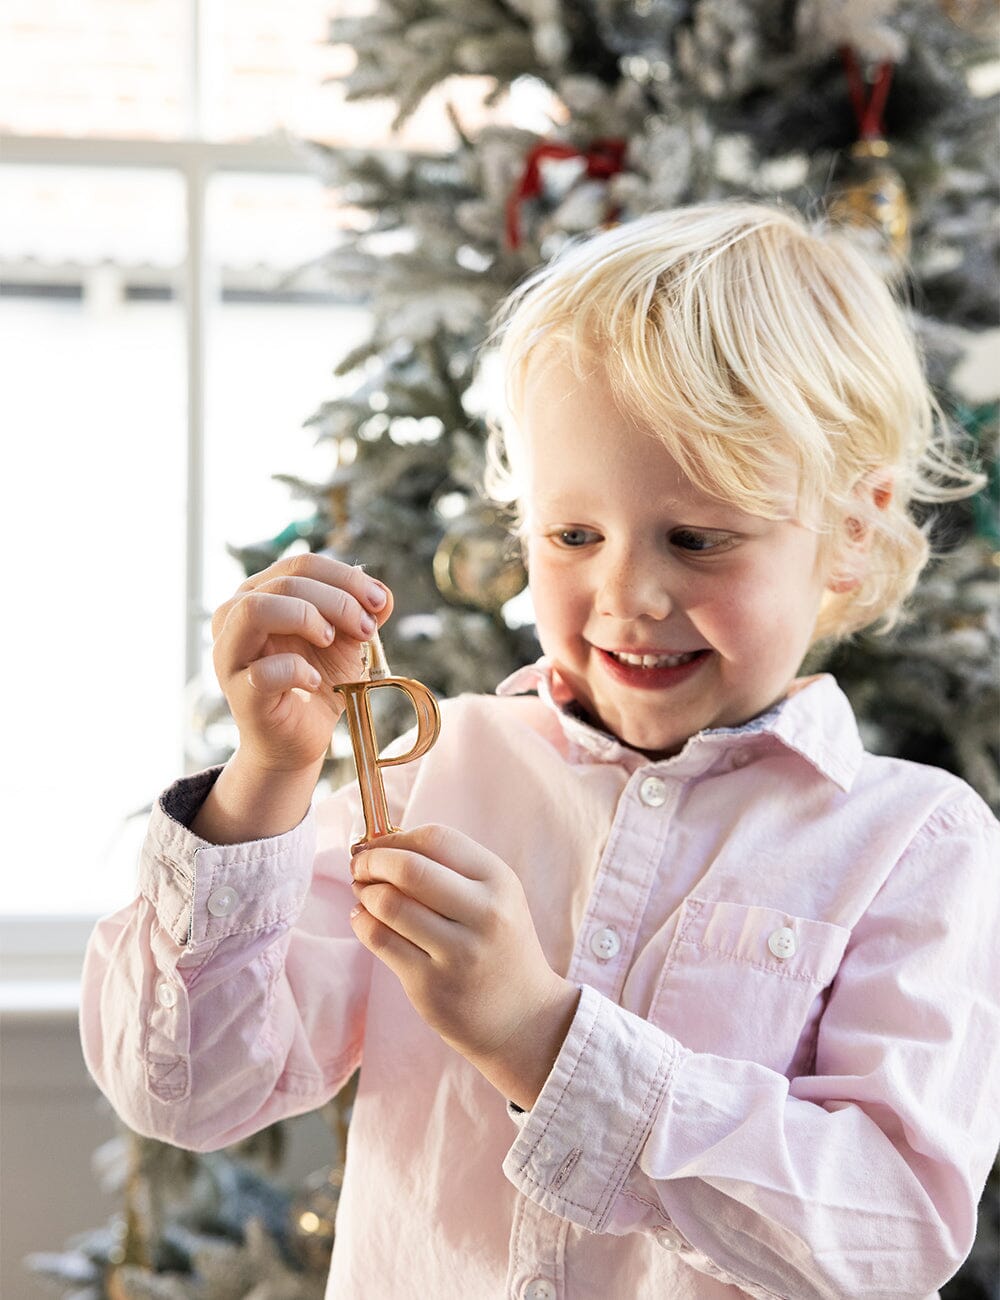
[{"x": 748, "y": 982}]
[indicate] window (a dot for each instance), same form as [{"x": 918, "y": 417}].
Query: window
[
  {"x": 158, "y": 370},
  {"x": 162, "y": 355},
  {"x": 93, "y": 405}
]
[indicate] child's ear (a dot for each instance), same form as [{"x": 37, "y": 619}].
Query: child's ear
[{"x": 872, "y": 494}]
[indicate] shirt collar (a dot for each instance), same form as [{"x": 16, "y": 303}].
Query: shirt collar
[{"x": 814, "y": 721}]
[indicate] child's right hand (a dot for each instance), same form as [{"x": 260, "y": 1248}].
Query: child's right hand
[{"x": 282, "y": 643}]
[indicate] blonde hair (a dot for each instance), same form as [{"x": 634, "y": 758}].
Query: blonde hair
[{"x": 753, "y": 344}]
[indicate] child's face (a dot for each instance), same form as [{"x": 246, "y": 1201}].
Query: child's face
[{"x": 627, "y": 557}]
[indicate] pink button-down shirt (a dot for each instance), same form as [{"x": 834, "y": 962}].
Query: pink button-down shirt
[{"x": 782, "y": 1077}]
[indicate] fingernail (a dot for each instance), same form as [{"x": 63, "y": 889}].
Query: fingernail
[
  {"x": 375, "y": 595},
  {"x": 356, "y": 910},
  {"x": 368, "y": 624},
  {"x": 314, "y": 680}
]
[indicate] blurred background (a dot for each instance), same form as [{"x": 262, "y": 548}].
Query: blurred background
[{"x": 248, "y": 254}]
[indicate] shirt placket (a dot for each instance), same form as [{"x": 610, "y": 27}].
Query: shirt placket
[
  {"x": 605, "y": 944},
  {"x": 602, "y": 956},
  {"x": 537, "y": 1253}
]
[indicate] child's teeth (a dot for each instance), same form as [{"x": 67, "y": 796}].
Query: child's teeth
[{"x": 654, "y": 661}]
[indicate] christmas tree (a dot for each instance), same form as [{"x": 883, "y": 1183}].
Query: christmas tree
[
  {"x": 875, "y": 112},
  {"x": 871, "y": 112}
]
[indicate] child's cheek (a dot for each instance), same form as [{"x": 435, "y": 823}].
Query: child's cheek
[{"x": 723, "y": 617}]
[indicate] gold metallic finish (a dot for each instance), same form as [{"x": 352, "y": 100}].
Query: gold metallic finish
[
  {"x": 366, "y": 750},
  {"x": 871, "y": 194},
  {"x": 377, "y": 664}
]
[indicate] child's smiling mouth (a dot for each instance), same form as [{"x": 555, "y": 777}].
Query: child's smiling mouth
[
  {"x": 650, "y": 670},
  {"x": 647, "y": 660}
]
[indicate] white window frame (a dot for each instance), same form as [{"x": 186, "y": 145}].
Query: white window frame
[
  {"x": 40, "y": 955},
  {"x": 196, "y": 162}
]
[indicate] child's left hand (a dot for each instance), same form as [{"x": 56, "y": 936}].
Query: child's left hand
[{"x": 451, "y": 920}]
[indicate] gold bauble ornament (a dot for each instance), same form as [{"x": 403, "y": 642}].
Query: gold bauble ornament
[
  {"x": 871, "y": 195},
  {"x": 477, "y": 564}
]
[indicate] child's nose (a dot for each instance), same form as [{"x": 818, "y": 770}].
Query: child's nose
[{"x": 632, "y": 588}]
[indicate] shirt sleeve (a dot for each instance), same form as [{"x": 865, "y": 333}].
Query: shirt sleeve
[
  {"x": 860, "y": 1179},
  {"x": 231, "y": 992}
]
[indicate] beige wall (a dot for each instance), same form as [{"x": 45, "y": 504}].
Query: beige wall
[{"x": 52, "y": 1119}]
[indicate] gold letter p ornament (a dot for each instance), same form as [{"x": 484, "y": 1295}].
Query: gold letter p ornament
[{"x": 369, "y": 765}]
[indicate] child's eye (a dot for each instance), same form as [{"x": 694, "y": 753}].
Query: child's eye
[
  {"x": 689, "y": 539},
  {"x": 574, "y": 537}
]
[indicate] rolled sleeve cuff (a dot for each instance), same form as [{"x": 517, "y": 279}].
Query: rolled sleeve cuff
[
  {"x": 579, "y": 1142},
  {"x": 203, "y": 892}
]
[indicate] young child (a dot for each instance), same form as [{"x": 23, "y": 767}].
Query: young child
[{"x": 667, "y": 989}]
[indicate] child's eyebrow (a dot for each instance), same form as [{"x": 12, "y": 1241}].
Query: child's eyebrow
[{"x": 704, "y": 510}]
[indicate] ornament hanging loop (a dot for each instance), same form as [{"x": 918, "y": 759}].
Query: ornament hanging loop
[
  {"x": 604, "y": 158},
  {"x": 868, "y": 104}
]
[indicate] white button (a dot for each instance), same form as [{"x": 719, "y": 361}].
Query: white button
[
  {"x": 668, "y": 1238},
  {"x": 653, "y": 792},
  {"x": 222, "y": 901},
  {"x": 605, "y": 944},
  {"x": 166, "y": 995},
  {"x": 742, "y": 757},
  {"x": 539, "y": 1288},
  {"x": 782, "y": 943}
]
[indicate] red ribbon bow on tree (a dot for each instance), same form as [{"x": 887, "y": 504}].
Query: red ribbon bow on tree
[
  {"x": 604, "y": 158},
  {"x": 869, "y": 105}
]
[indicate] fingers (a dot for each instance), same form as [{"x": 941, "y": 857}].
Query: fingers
[
  {"x": 304, "y": 602},
  {"x": 275, "y": 674},
  {"x": 444, "y": 891},
  {"x": 444, "y": 845},
  {"x": 306, "y": 607},
  {"x": 397, "y": 953},
  {"x": 463, "y": 886},
  {"x": 344, "y": 593},
  {"x": 404, "y": 917},
  {"x": 336, "y": 607},
  {"x": 268, "y": 611}
]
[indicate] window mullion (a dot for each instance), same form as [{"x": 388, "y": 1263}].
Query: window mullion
[
  {"x": 195, "y": 89},
  {"x": 197, "y": 295}
]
